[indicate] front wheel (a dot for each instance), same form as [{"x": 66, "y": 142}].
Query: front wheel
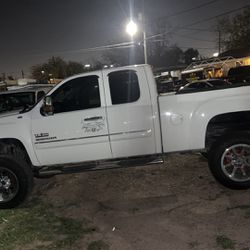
[
  {"x": 16, "y": 181},
  {"x": 229, "y": 160}
]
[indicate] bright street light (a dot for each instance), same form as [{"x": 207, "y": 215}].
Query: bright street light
[
  {"x": 216, "y": 54},
  {"x": 131, "y": 28},
  {"x": 87, "y": 65}
]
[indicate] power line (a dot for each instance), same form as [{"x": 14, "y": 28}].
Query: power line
[
  {"x": 188, "y": 10},
  {"x": 182, "y": 47},
  {"x": 121, "y": 8},
  {"x": 201, "y": 21},
  {"x": 131, "y": 44},
  {"x": 220, "y": 15},
  {"x": 197, "y": 29},
  {"x": 196, "y": 48},
  {"x": 195, "y": 39},
  {"x": 93, "y": 49}
]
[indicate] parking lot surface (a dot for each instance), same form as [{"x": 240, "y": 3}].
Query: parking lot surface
[{"x": 175, "y": 205}]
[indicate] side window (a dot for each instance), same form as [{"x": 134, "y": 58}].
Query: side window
[
  {"x": 124, "y": 86},
  {"x": 77, "y": 94}
]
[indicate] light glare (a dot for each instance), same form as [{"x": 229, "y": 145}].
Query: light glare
[{"x": 131, "y": 28}]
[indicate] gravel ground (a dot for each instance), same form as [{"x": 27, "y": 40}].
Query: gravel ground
[{"x": 175, "y": 205}]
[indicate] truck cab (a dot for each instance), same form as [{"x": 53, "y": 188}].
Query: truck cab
[{"x": 96, "y": 116}]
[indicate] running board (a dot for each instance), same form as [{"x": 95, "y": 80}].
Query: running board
[{"x": 48, "y": 171}]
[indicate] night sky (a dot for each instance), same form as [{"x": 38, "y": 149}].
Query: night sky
[{"x": 34, "y": 30}]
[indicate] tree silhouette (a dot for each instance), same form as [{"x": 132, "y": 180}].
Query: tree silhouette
[{"x": 235, "y": 32}]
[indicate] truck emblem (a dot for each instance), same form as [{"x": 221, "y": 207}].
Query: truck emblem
[{"x": 41, "y": 135}]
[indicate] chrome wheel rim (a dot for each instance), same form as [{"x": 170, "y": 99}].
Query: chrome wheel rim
[
  {"x": 9, "y": 185},
  {"x": 235, "y": 162}
]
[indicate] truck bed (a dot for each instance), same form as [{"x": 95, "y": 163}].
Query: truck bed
[{"x": 185, "y": 116}]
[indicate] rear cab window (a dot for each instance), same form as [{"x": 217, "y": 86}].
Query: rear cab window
[{"x": 124, "y": 87}]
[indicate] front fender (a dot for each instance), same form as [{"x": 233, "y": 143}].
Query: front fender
[{"x": 18, "y": 127}]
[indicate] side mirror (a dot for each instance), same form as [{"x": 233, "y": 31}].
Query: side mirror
[{"x": 47, "y": 107}]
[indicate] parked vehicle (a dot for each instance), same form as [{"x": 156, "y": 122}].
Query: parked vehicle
[
  {"x": 114, "y": 118},
  {"x": 204, "y": 85},
  {"x": 22, "y": 97},
  {"x": 164, "y": 86},
  {"x": 239, "y": 74},
  {"x": 3, "y": 86}
]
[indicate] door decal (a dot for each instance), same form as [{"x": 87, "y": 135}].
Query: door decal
[{"x": 93, "y": 126}]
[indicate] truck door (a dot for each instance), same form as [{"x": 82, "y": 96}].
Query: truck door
[
  {"x": 77, "y": 131},
  {"x": 129, "y": 110}
]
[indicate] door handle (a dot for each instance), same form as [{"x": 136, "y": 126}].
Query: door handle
[{"x": 94, "y": 118}]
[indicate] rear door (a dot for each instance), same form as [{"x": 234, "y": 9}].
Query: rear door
[{"x": 129, "y": 112}]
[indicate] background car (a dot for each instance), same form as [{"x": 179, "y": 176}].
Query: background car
[
  {"x": 22, "y": 97},
  {"x": 239, "y": 74},
  {"x": 202, "y": 85},
  {"x": 168, "y": 85}
]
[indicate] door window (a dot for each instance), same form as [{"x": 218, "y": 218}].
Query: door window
[
  {"x": 77, "y": 94},
  {"x": 124, "y": 86}
]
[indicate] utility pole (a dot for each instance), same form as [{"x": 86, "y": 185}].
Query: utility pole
[
  {"x": 219, "y": 41},
  {"x": 3, "y": 77},
  {"x": 142, "y": 20},
  {"x": 131, "y": 29},
  {"x": 144, "y": 35},
  {"x": 145, "y": 47}
]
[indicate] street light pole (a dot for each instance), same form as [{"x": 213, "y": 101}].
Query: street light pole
[
  {"x": 144, "y": 34},
  {"x": 145, "y": 46},
  {"x": 132, "y": 29}
]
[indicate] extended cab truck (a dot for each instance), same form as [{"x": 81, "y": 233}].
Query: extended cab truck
[{"x": 96, "y": 119}]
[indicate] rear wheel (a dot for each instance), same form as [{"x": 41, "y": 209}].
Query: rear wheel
[
  {"x": 229, "y": 160},
  {"x": 204, "y": 154},
  {"x": 16, "y": 181}
]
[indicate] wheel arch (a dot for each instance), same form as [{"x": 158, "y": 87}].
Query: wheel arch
[
  {"x": 226, "y": 123},
  {"x": 11, "y": 146}
]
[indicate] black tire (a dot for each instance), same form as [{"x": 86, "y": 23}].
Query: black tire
[
  {"x": 217, "y": 156},
  {"x": 204, "y": 154},
  {"x": 21, "y": 181}
]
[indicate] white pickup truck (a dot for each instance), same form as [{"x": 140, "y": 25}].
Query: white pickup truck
[{"x": 114, "y": 117}]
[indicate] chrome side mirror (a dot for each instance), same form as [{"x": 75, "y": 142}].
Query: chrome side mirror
[{"x": 47, "y": 107}]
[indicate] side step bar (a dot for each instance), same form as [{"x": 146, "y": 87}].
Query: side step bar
[{"x": 48, "y": 171}]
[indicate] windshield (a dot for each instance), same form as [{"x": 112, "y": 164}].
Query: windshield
[{"x": 16, "y": 101}]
